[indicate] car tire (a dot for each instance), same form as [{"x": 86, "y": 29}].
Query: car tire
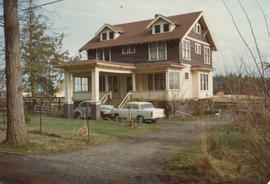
[
  {"x": 102, "y": 115},
  {"x": 116, "y": 117},
  {"x": 154, "y": 120},
  {"x": 77, "y": 115},
  {"x": 140, "y": 119}
]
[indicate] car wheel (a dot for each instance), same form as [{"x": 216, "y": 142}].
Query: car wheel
[
  {"x": 140, "y": 119},
  {"x": 77, "y": 115},
  {"x": 154, "y": 120},
  {"x": 102, "y": 115},
  {"x": 116, "y": 117}
]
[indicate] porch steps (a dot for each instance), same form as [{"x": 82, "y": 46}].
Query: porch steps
[{"x": 114, "y": 102}]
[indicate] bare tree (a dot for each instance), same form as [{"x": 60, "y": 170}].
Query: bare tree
[{"x": 16, "y": 131}]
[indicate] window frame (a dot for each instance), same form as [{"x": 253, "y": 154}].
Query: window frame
[
  {"x": 175, "y": 81},
  {"x": 111, "y": 33},
  {"x": 128, "y": 49},
  {"x": 157, "y": 51},
  {"x": 204, "y": 82},
  {"x": 155, "y": 28},
  {"x": 164, "y": 28},
  {"x": 81, "y": 85},
  {"x": 198, "y": 51},
  {"x": 197, "y": 28},
  {"x": 104, "y": 35},
  {"x": 186, "y": 52},
  {"x": 207, "y": 55},
  {"x": 186, "y": 75}
]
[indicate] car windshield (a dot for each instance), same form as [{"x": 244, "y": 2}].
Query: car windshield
[{"x": 148, "y": 106}]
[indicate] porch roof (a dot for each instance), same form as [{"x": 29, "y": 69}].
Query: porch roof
[{"x": 117, "y": 65}]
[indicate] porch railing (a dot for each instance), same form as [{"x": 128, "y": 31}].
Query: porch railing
[
  {"x": 124, "y": 101},
  {"x": 106, "y": 97}
]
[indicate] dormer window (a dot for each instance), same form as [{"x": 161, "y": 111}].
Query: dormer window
[
  {"x": 166, "y": 27},
  {"x": 111, "y": 35},
  {"x": 104, "y": 36},
  {"x": 157, "y": 28},
  {"x": 197, "y": 28}
]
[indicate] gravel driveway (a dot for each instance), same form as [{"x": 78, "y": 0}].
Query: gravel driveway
[{"x": 135, "y": 160}]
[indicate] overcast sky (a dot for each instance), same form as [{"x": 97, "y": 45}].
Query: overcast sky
[{"x": 80, "y": 19}]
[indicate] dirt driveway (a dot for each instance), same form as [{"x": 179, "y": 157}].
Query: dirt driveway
[{"x": 129, "y": 161}]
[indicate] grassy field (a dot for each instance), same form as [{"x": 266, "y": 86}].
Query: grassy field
[
  {"x": 64, "y": 135},
  {"x": 224, "y": 156}
]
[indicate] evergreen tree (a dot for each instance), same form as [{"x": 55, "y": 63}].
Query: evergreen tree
[{"x": 41, "y": 53}]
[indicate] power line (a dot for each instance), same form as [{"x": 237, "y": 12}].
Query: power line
[{"x": 37, "y": 6}]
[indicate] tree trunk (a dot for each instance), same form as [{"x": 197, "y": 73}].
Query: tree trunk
[{"x": 16, "y": 131}]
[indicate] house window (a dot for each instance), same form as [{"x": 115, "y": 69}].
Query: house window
[
  {"x": 207, "y": 55},
  {"x": 102, "y": 83},
  {"x": 174, "y": 80},
  {"x": 186, "y": 75},
  {"x": 100, "y": 54},
  {"x": 111, "y": 35},
  {"x": 157, "y": 28},
  {"x": 186, "y": 50},
  {"x": 198, "y": 48},
  {"x": 204, "y": 81},
  {"x": 128, "y": 49},
  {"x": 197, "y": 28},
  {"x": 166, "y": 28},
  {"x": 159, "y": 81},
  {"x": 156, "y": 81},
  {"x": 104, "y": 36},
  {"x": 157, "y": 50},
  {"x": 80, "y": 84}
]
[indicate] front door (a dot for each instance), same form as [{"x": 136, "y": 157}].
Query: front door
[
  {"x": 129, "y": 84},
  {"x": 114, "y": 86}
]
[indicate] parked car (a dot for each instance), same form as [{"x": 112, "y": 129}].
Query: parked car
[
  {"x": 140, "y": 111},
  {"x": 80, "y": 111}
]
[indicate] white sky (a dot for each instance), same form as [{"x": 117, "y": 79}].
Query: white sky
[{"x": 80, "y": 19}]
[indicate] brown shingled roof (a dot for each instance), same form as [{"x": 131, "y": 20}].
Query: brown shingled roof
[{"x": 136, "y": 32}]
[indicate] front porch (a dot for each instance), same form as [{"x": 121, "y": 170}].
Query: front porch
[{"x": 97, "y": 79}]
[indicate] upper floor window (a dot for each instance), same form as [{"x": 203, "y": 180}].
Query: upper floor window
[
  {"x": 197, "y": 28},
  {"x": 100, "y": 54},
  {"x": 157, "y": 50},
  {"x": 207, "y": 55},
  {"x": 204, "y": 81},
  {"x": 130, "y": 49},
  {"x": 166, "y": 27},
  {"x": 104, "y": 36},
  {"x": 80, "y": 84},
  {"x": 198, "y": 48},
  {"x": 111, "y": 35},
  {"x": 157, "y": 28},
  {"x": 186, "y": 50}
]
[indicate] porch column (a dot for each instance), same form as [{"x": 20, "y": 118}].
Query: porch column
[
  {"x": 133, "y": 81},
  {"x": 68, "y": 103},
  {"x": 106, "y": 83},
  {"x": 167, "y": 80},
  {"x": 95, "y": 104}
]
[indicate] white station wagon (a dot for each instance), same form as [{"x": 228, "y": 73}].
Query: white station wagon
[{"x": 140, "y": 111}]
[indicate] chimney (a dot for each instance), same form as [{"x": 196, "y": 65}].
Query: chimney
[{"x": 156, "y": 15}]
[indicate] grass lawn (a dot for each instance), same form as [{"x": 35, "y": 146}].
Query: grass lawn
[
  {"x": 63, "y": 135},
  {"x": 224, "y": 156}
]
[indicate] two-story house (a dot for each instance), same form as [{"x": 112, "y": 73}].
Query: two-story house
[{"x": 160, "y": 60}]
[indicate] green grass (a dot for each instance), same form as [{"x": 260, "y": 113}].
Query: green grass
[
  {"x": 62, "y": 135},
  {"x": 222, "y": 157}
]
